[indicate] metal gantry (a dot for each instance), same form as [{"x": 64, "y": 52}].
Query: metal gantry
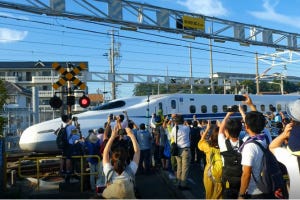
[{"x": 133, "y": 15}]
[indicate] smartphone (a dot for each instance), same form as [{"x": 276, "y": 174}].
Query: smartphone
[
  {"x": 111, "y": 116},
  {"x": 239, "y": 98}
]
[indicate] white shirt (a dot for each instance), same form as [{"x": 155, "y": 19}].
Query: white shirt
[
  {"x": 107, "y": 167},
  {"x": 291, "y": 163},
  {"x": 222, "y": 144},
  {"x": 252, "y": 156},
  {"x": 183, "y": 136}
]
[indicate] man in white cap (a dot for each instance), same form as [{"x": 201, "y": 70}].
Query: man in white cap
[{"x": 286, "y": 148}]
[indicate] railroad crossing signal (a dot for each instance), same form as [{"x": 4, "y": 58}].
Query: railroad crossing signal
[
  {"x": 55, "y": 102},
  {"x": 84, "y": 101},
  {"x": 68, "y": 76}
]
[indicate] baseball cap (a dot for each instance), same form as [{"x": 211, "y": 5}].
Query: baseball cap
[{"x": 293, "y": 110}]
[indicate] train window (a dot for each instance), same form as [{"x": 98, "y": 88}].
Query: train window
[
  {"x": 278, "y": 107},
  {"x": 173, "y": 104},
  {"x": 204, "y": 109},
  {"x": 272, "y": 108},
  {"x": 244, "y": 108},
  {"x": 160, "y": 106},
  {"x": 192, "y": 109},
  {"x": 111, "y": 105},
  {"x": 192, "y": 99},
  {"x": 262, "y": 108},
  {"x": 225, "y": 108},
  {"x": 214, "y": 108}
]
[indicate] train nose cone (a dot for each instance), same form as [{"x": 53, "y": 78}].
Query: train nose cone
[{"x": 26, "y": 138}]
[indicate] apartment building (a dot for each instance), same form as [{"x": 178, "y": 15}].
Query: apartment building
[{"x": 37, "y": 78}]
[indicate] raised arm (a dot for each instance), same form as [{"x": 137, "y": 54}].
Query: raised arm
[
  {"x": 206, "y": 130},
  {"x": 277, "y": 142},
  {"x": 107, "y": 129},
  {"x": 223, "y": 123},
  {"x": 107, "y": 148},
  {"x": 136, "y": 147},
  {"x": 249, "y": 102}
]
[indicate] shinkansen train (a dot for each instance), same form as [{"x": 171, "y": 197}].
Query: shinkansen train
[{"x": 41, "y": 137}]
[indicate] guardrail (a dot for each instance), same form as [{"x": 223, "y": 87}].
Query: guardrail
[{"x": 38, "y": 167}]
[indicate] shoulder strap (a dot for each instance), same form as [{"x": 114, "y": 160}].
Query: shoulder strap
[
  {"x": 298, "y": 157},
  {"x": 260, "y": 145},
  {"x": 176, "y": 133},
  {"x": 109, "y": 175},
  {"x": 228, "y": 145}
]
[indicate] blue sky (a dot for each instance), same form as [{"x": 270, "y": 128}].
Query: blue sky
[{"x": 55, "y": 39}]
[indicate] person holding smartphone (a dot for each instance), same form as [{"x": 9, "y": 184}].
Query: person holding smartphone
[{"x": 286, "y": 148}]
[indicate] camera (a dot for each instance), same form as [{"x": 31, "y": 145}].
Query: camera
[
  {"x": 122, "y": 132},
  {"x": 239, "y": 98},
  {"x": 233, "y": 108},
  {"x": 75, "y": 119},
  {"x": 286, "y": 121},
  {"x": 111, "y": 116}
]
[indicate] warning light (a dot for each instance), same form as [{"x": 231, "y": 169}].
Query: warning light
[
  {"x": 55, "y": 102},
  {"x": 84, "y": 101}
]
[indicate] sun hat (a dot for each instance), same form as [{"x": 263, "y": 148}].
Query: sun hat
[
  {"x": 93, "y": 138},
  {"x": 119, "y": 189},
  {"x": 293, "y": 110}
]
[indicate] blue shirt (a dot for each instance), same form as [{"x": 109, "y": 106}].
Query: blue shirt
[
  {"x": 92, "y": 149},
  {"x": 71, "y": 137},
  {"x": 144, "y": 139}
]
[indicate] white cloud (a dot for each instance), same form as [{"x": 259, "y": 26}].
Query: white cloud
[
  {"x": 270, "y": 14},
  {"x": 205, "y": 7},
  {"x": 10, "y": 35}
]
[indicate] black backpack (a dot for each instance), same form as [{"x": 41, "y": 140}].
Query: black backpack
[
  {"x": 271, "y": 180},
  {"x": 61, "y": 137},
  {"x": 232, "y": 170}
]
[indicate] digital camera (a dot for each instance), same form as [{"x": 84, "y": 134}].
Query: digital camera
[
  {"x": 233, "y": 108},
  {"x": 122, "y": 132},
  {"x": 239, "y": 98}
]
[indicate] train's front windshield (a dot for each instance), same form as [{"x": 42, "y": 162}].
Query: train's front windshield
[{"x": 110, "y": 105}]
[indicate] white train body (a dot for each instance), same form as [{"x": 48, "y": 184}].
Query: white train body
[{"x": 41, "y": 138}]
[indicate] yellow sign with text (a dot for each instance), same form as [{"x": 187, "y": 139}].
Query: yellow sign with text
[{"x": 193, "y": 23}]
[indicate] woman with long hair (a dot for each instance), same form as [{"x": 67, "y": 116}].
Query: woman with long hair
[
  {"x": 118, "y": 172},
  {"x": 212, "y": 185}
]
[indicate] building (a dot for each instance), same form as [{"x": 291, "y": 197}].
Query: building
[{"x": 38, "y": 79}]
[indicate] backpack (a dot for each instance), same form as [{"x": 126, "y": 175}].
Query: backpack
[
  {"x": 111, "y": 186},
  {"x": 232, "y": 170},
  {"x": 62, "y": 137},
  {"x": 215, "y": 166},
  {"x": 271, "y": 179}
]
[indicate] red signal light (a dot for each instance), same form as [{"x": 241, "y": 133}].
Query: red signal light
[{"x": 84, "y": 101}]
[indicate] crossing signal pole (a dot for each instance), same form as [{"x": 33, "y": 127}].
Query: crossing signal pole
[{"x": 69, "y": 76}]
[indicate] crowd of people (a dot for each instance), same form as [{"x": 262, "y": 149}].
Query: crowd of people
[{"x": 226, "y": 150}]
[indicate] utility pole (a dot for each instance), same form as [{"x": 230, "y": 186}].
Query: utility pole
[
  {"x": 191, "y": 68},
  {"x": 211, "y": 68},
  {"x": 113, "y": 53},
  {"x": 257, "y": 74}
]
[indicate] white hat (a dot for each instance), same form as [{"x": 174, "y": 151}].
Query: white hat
[
  {"x": 93, "y": 138},
  {"x": 293, "y": 110},
  {"x": 119, "y": 189}
]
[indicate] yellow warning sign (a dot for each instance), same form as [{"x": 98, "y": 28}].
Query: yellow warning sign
[
  {"x": 68, "y": 76},
  {"x": 193, "y": 22}
]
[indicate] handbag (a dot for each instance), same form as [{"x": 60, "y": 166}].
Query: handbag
[
  {"x": 174, "y": 146},
  {"x": 167, "y": 149}
]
